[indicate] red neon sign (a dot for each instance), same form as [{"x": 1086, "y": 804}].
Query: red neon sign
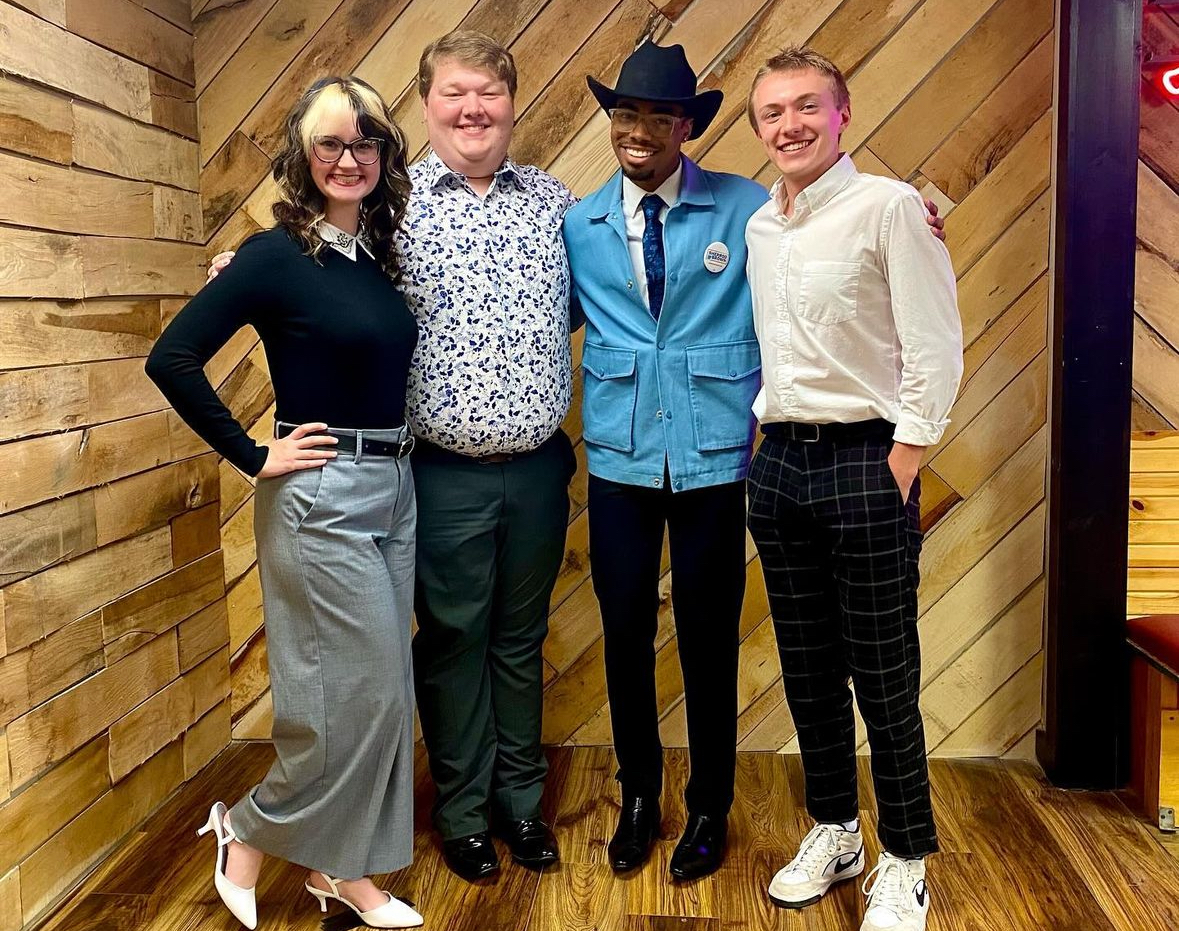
[{"x": 1169, "y": 79}]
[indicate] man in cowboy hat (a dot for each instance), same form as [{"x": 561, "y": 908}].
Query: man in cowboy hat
[{"x": 671, "y": 367}]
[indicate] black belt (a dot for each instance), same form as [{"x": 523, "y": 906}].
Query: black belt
[
  {"x": 347, "y": 442},
  {"x": 878, "y": 429}
]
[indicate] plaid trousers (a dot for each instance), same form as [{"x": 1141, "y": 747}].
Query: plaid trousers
[{"x": 839, "y": 549}]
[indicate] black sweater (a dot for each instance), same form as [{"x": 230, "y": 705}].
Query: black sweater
[{"x": 338, "y": 340}]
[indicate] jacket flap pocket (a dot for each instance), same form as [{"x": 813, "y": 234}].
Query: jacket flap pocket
[
  {"x": 604, "y": 362},
  {"x": 730, "y": 361}
]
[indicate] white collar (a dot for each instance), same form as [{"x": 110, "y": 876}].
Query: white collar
[
  {"x": 343, "y": 243},
  {"x": 668, "y": 191}
]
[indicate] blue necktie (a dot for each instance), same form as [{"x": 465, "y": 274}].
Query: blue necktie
[{"x": 653, "y": 251}]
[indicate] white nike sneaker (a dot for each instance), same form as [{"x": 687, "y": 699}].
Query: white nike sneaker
[
  {"x": 827, "y": 855},
  {"x": 897, "y": 898}
]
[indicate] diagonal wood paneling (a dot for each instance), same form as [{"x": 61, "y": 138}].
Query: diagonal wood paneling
[{"x": 953, "y": 96}]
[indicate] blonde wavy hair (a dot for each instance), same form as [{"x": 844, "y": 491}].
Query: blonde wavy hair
[{"x": 300, "y": 206}]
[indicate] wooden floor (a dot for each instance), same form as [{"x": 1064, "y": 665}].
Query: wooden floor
[{"x": 1017, "y": 855}]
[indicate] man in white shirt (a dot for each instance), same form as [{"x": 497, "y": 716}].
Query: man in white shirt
[{"x": 855, "y": 310}]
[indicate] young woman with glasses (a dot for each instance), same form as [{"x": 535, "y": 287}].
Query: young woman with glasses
[{"x": 334, "y": 505}]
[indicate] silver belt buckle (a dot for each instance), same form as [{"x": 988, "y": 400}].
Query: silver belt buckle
[{"x": 406, "y": 446}]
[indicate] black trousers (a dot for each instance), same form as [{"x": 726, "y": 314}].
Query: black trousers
[
  {"x": 706, "y": 529},
  {"x": 839, "y": 549}
]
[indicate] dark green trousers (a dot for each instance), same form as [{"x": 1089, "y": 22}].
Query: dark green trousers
[{"x": 491, "y": 539}]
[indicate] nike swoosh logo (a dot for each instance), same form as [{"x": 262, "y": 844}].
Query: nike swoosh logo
[
  {"x": 919, "y": 891},
  {"x": 845, "y": 864}
]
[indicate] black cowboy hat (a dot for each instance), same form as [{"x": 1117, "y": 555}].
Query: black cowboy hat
[{"x": 660, "y": 74}]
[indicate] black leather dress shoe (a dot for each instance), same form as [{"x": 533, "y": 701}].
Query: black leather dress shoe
[
  {"x": 702, "y": 848},
  {"x": 471, "y": 857},
  {"x": 531, "y": 842},
  {"x": 638, "y": 829}
]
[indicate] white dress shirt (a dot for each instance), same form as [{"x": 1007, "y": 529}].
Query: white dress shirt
[
  {"x": 343, "y": 243},
  {"x": 632, "y": 208},
  {"x": 855, "y": 307}
]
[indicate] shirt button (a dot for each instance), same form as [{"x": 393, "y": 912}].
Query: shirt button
[
  {"x": 667, "y": 415},
  {"x": 630, "y": 284},
  {"x": 732, "y": 373},
  {"x": 659, "y": 415},
  {"x": 655, "y": 482},
  {"x": 679, "y": 485},
  {"x": 662, "y": 344}
]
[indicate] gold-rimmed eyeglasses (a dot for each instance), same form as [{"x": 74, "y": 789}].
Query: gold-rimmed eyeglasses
[
  {"x": 659, "y": 125},
  {"x": 330, "y": 149}
]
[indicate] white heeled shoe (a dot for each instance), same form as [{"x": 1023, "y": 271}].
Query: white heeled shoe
[
  {"x": 393, "y": 914},
  {"x": 238, "y": 900}
]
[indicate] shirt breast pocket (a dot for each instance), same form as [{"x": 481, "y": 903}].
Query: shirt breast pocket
[{"x": 829, "y": 291}]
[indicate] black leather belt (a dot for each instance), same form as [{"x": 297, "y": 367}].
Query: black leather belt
[
  {"x": 878, "y": 429},
  {"x": 368, "y": 447}
]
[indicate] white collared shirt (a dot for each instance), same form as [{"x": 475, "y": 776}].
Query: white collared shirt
[
  {"x": 343, "y": 243},
  {"x": 632, "y": 208},
  {"x": 855, "y": 307}
]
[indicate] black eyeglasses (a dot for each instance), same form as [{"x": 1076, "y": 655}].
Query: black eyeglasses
[
  {"x": 331, "y": 149},
  {"x": 659, "y": 124}
]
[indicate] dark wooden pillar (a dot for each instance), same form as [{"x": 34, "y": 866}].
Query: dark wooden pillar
[{"x": 1084, "y": 739}]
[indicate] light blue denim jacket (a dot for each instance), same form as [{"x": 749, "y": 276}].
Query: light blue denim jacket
[{"x": 678, "y": 390}]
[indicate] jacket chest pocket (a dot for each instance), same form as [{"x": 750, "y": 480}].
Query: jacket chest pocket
[
  {"x": 723, "y": 380},
  {"x": 611, "y": 391},
  {"x": 829, "y": 291}
]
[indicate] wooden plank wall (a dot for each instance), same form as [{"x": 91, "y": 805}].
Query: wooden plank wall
[
  {"x": 114, "y": 671},
  {"x": 1156, "y": 292},
  {"x": 952, "y": 95},
  {"x": 1153, "y": 581}
]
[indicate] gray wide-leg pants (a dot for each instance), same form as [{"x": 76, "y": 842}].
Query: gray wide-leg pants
[{"x": 336, "y": 557}]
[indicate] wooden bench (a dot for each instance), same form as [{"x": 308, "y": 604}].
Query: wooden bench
[
  {"x": 1154, "y": 731},
  {"x": 1153, "y": 591}
]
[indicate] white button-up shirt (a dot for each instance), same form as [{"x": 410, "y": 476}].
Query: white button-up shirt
[{"x": 855, "y": 307}]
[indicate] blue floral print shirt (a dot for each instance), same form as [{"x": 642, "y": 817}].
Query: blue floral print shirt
[{"x": 488, "y": 281}]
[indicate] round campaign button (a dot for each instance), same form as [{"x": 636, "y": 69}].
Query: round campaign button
[{"x": 716, "y": 257}]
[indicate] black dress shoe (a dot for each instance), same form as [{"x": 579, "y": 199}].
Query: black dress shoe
[
  {"x": 702, "y": 848},
  {"x": 531, "y": 842},
  {"x": 471, "y": 857},
  {"x": 638, "y": 829}
]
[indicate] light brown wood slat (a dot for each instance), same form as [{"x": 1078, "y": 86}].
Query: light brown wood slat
[
  {"x": 1156, "y": 286},
  {"x": 244, "y": 604},
  {"x": 173, "y": 105},
  {"x": 1145, "y": 417},
  {"x": 150, "y": 499},
  {"x": 42, "y": 52},
  {"x": 56, "y": 465},
  {"x": 1153, "y": 531},
  {"x": 1033, "y": 302},
  {"x": 1153, "y": 602},
  {"x": 43, "y": 603},
  {"x": 1156, "y": 368},
  {"x": 34, "y": 121},
  {"x": 5, "y": 787},
  {"x": 981, "y": 595},
  {"x": 983, "y": 519},
  {"x": 205, "y": 739},
  {"x": 1154, "y": 555},
  {"x": 42, "y": 536},
  {"x": 31, "y": 675},
  {"x": 35, "y": 333},
  {"x": 36, "y": 264},
  {"x": 385, "y": 66},
  {"x": 55, "y": 866},
  {"x": 196, "y": 534},
  {"x": 143, "y": 614},
  {"x": 36, "y": 814},
  {"x": 127, "y": 28},
  {"x": 177, "y": 12},
  {"x": 177, "y": 214},
  {"x": 202, "y": 634},
  {"x": 131, "y": 266},
  {"x": 257, "y": 721},
  {"x": 236, "y": 230},
  {"x": 273, "y": 44},
  {"x": 237, "y": 539},
  {"x": 1016, "y": 260},
  {"x": 50, "y": 10},
  {"x": 229, "y": 178},
  {"x": 235, "y": 490},
  {"x": 111, "y": 143},
  {"x": 961, "y": 83},
  {"x": 993, "y": 205},
  {"x": 1153, "y": 580},
  {"x": 52, "y": 731},
  {"x": 1015, "y": 414},
  {"x": 1154, "y": 457},
  {"x": 250, "y": 679},
  {"x": 219, "y": 30},
  {"x": 35, "y": 401},
  {"x": 145, "y": 731},
  {"x": 1004, "y": 718},
  {"x": 999, "y": 652}
]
